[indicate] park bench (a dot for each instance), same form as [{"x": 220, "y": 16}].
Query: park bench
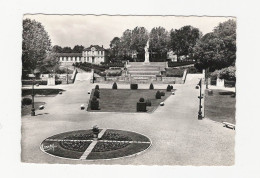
[{"x": 229, "y": 125}]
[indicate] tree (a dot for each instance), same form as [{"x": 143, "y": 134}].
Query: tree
[
  {"x": 78, "y": 49},
  {"x": 138, "y": 41},
  {"x": 159, "y": 39},
  {"x": 139, "y": 38},
  {"x": 125, "y": 43},
  {"x": 57, "y": 49},
  {"x": 67, "y": 50},
  {"x": 115, "y": 47},
  {"x": 217, "y": 49},
  {"x": 35, "y": 45},
  {"x": 183, "y": 40}
]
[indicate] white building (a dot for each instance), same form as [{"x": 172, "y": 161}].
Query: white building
[{"x": 93, "y": 54}]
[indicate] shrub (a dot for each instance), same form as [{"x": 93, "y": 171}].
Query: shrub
[
  {"x": 114, "y": 86},
  {"x": 141, "y": 107},
  {"x": 162, "y": 93},
  {"x": 96, "y": 93},
  {"x": 58, "y": 82},
  {"x": 94, "y": 104},
  {"x": 174, "y": 72},
  {"x": 26, "y": 101},
  {"x": 192, "y": 70},
  {"x": 134, "y": 86},
  {"x": 158, "y": 95},
  {"x": 141, "y": 100},
  {"x": 169, "y": 88},
  {"x": 151, "y": 86},
  {"x": 148, "y": 103},
  {"x": 97, "y": 87}
]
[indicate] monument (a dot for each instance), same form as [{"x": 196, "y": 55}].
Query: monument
[{"x": 146, "y": 48}]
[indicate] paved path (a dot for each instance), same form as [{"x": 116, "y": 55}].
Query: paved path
[{"x": 178, "y": 137}]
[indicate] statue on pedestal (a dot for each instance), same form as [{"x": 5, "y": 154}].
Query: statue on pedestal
[{"x": 146, "y": 52}]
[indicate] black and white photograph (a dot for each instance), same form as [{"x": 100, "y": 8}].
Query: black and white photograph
[{"x": 128, "y": 90}]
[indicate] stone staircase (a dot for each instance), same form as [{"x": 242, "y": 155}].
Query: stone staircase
[{"x": 143, "y": 73}]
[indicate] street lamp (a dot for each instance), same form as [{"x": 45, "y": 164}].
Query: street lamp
[
  {"x": 200, "y": 97},
  {"x": 67, "y": 76},
  {"x": 33, "y": 109}
]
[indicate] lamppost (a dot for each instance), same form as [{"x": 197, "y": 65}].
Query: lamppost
[
  {"x": 93, "y": 76},
  {"x": 33, "y": 109},
  {"x": 67, "y": 76},
  {"x": 200, "y": 97}
]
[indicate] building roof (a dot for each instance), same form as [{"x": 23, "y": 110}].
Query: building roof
[
  {"x": 69, "y": 54},
  {"x": 98, "y": 48}
]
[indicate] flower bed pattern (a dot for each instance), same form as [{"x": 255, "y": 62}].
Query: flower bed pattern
[{"x": 113, "y": 144}]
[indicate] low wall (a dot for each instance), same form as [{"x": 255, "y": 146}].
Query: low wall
[{"x": 126, "y": 79}]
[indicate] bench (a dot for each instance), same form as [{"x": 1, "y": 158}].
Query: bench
[{"x": 229, "y": 125}]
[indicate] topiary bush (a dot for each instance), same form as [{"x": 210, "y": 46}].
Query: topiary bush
[
  {"x": 97, "y": 87},
  {"x": 148, "y": 103},
  {"x": 158, "y": 95},
  {"x": 26, "y": 101},
  {"x": 168, "y": 88},
  {"x": 94, "y": 104},
  {"x": 96, "y": 93},
  {"x": 151, "y": 86},
  {"x": 114, "y": 86},
  {"x": 162, "y": 93},
  {"x": 134, "y": 86},
  {"x": 141, "y": 100}
]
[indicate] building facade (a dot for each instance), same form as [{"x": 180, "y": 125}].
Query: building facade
[{"x": 94, "y": 54}]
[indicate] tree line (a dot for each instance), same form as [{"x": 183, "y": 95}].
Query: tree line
[{"x": 214, "y": 50}]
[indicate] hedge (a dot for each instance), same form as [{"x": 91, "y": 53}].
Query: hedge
[
  {"x": 96, "y": 93},
  {"x": 40, "y": 82},
  {"x": 29, "y": 82},
  {"x": 151, "y": 86},
  {"x": 114, "y": 86},
  {"x": 26, "y": 101},
  {"x": 141, "y": 107},
  {"x": 148, "y": 103},
  {"x": 174, "y": 72},
  {"x": 158, "y": 95},
  {"x": 177, "y": 64},
  {"x": 134, "y": 86},
  {"x": 94, "y": 103},
  {"x": 168, "y": 88},
  {"x": 141, "y": 100}
]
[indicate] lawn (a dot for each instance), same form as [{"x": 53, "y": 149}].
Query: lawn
[
  {"x": 26, "y": 109},
  {"x": 221, "y": 106},
  {"x": 124, "y": 100}
]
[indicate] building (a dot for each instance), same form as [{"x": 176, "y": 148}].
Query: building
[
  {"x": 171, "y": 56},
  {"x": 94, "y": 54}
]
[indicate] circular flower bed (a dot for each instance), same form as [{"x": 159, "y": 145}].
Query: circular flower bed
[{"x": 80, "y": 144}]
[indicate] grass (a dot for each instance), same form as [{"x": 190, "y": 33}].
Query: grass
[
  {"x": 45, "y": 92},
  {"x": 26, "y": 109},
  {"x": 124, "y": 100},
  {"x": 221, "y": 106}
]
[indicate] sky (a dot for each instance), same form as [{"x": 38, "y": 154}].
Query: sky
[{"x": 86, "y": 30}]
